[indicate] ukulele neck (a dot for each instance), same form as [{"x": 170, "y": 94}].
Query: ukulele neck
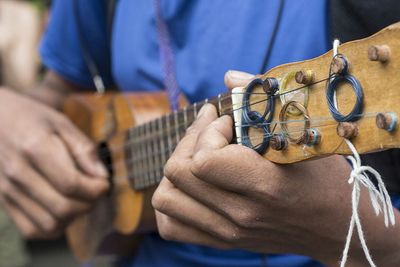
[{"x": 149, "y": 145}]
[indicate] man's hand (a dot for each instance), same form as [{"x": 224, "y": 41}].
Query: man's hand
[
  {"x": 49, "y": 171},
  {"x": 224, "y": 195}
]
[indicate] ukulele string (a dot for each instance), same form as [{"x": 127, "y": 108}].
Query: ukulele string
[
  {"x": 231, "y": 110},
  {"x": 167, "y": 151},
  {"x": 160, "y": 134}
]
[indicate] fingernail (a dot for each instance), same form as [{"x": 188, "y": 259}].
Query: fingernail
[
  {"x": 240, "y": 75},
  {"x": 207, "y": 107},
  {"x": 101, "y": 169},
  {"x": 202, "y": 111}
]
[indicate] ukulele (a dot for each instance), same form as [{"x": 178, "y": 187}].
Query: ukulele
[{"x": 293, "y": 112}]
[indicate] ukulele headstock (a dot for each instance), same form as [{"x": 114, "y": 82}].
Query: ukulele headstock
[{"x": 303, "y": 110}]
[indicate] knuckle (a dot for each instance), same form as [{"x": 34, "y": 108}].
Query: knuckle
[
  {"x": 231, "y": 235},
  {"x": 50, "y": 226},
  {"x": 245, "y": 218},
  {"x": 69, "y": 186},
  {"x": 192, "y": 130},
  {"x": 274, "y": 191},
  {"x": 160, "y": 199},
  {"x": 87, "y": 147},
  {"x": 14, "y": 170},
  {"x": 62, "y": 210},
  {"x": 5, "y": 188},
  {"x": 59, "y": 120},
  {"x": 173, "y": 169},
  {"x": 157, "y": 200},
  {"x": 30, "y": 146},
  {"x": 200, "y": 163}
]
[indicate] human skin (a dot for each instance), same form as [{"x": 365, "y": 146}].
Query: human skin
[
  {"x": 224, "y": 195},
  {"x": 49, "y": 171}
]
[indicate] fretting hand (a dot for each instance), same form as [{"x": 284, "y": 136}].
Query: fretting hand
[
  {"x": 224, "y": 195},
  {"x": 49, "y": 172}
]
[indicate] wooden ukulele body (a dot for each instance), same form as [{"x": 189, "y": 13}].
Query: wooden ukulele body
[{"x": 123, "y": 212}]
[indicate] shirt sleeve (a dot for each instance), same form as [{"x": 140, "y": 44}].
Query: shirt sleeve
[
  {"x": 396, "y": 200},
  {"x": 61, "y": 50}
]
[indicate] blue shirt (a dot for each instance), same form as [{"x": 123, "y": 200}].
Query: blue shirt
[{"x": 209, "y": 37}]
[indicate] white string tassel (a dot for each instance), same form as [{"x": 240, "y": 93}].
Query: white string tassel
[
  {"x": 380, "y": 200},
  {"x": 378, "y": 194}
]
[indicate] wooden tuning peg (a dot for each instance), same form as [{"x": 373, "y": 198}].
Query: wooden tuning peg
[
  {"x": 379, "y": 53},
  {"x": 304, "y": 76},
  {"x": 386, "y": 121},
  {"x": 311, "y": 137},
  {"x": 347, "y": 130},
  {"x": 278, "y": 142},
  {"x": 339, "y": 65},
  {"x": 270, "y": 86}
]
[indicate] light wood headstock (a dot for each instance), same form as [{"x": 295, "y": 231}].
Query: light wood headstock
[{"x": 374, "y": 62}]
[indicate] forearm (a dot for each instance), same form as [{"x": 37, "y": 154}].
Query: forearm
[
  {"x": 52, "y": 90},
  {"x": 383, "y": 243}
]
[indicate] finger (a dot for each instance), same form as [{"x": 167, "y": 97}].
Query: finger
[
  {"x": 235, "y": 78},
  {"x": 82, "y": 149},
  {"x": 174, "y": 230},
  {"x": 206, "y": 115},
  {"x": 217, "y": 135},
  {"x": 173, "y": 202},
  {"x": 40, "y": 190},
  {"x": 35, "y": 213},
  {"x": 220, "y": 168},
  {"x": 55, "y": 163},
  {"x": 25, "y": 226}
]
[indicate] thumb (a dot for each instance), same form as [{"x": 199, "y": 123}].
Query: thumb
[
  {"x": 235, "y": 79},
  {"x": 82, "y": 149}
]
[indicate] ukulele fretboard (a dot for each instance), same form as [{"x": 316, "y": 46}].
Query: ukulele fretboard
[{"x": 148, "y": 146}]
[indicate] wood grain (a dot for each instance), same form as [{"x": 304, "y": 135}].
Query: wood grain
[
  {"x": 124, "y": 211},
  {"x": 381, "y": 85}
]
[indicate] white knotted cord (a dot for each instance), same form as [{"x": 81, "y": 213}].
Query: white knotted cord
[{"x": 379, "y": 196}]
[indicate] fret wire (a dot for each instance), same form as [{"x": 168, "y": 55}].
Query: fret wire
[
  {"x": 219, "y": 105},
  {"x": 150, "y": 156},
  {"x": 163, "y": 157},
  {"x": 177, "y": 136},
  {"x": 127, "y": 152},
  {"x": 140, "y": 155},
  {"x": 168, "y": 136},
  {"x": 133, "y": 168},
  {"x": 195, "y": 110},
  {"x": 155, "y": 148},
  {"x": 185, "y": 117},
  {"x": 149, "y": 153},
  {"x": 145, "y": 160}
]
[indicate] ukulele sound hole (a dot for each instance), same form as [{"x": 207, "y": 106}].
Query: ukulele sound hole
[{"x": 104, "y": 154}]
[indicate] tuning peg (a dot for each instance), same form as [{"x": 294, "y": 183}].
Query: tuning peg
[
  {"x": 278, "y": 142},
  {"x": 386, "y": 121},
  {"x": 379, "y": 53},
  {"x": 339, "y": 65},
  {"x": 347, "y": 130},
  {"x": 270, "y": 86},
  {"x": 311, "y": 137},
  {"x": 304, "y": 76}
]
